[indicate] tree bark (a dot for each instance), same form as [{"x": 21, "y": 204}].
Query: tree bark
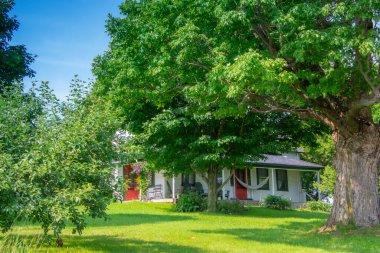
[
  {"x": 212, "y": 196},
  {"x": 356, "y": 199}
]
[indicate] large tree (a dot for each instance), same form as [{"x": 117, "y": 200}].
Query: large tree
[
  {"x": 149, "y": 76},
  {"x": 325, "y": 59},
  {"x": 14, "y": 60},
  {"x": 317, "y": 59}
]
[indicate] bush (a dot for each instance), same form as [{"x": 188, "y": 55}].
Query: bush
[
  {"x": 318, "y": 206},
  {"x": 229, "y": 207},
  {"x": 277, "y": 202},
  {"x": 190, "y": 202}
]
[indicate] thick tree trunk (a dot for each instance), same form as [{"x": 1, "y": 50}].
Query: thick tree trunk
[
  {"x": 212, "y": 197},
  {"x": 356, "y": 199}
]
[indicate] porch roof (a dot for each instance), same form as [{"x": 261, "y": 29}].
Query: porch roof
[{"x": 285, "y": 162}]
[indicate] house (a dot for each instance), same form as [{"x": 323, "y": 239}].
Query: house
[{"x": 275, "y": 175}]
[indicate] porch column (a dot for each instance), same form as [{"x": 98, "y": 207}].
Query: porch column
[
  {"x": 273, "y": 181},
  {"x": 319, "y": 184},
  {"x": 222, "y": 183},
  {"x": 173, "y": 188},
  {"x": 164, "y": 188}
]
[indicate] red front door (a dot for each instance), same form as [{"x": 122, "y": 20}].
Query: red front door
[
  {"x": 132, "y": 185},
  {"x": 240, "y": 190}
]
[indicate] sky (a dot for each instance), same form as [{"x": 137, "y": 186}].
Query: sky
[{"x": 66, "y": 35}]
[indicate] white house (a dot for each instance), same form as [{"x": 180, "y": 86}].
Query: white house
[{"x": 276, "y": 175}]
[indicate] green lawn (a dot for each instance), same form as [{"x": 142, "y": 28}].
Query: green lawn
[{"x": 148, "y": 227}]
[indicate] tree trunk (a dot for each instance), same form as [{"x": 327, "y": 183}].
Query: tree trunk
[
  {"x": 356, "y": 199},
  {"x": 212, "y": 196}
]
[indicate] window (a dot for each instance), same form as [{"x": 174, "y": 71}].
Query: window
[
  {"x": 262, "y": 174},
  {"x": 153, "y": 179},
  {"x": 282, "y": 180}
]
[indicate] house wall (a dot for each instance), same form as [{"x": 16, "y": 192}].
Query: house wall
[
  {"x": 294, "y": 193},
  {"x": 167, "y": 183}
]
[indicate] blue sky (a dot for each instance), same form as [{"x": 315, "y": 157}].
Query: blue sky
[{"x": 65, "y": 35}]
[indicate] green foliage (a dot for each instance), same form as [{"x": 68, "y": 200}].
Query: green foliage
[
  {"x": 277, "y": 202},
  {"x": 190, "y": 202},
  {"x": 376, "y": 113},
  {"x": 322, "y": 153},
  {"x": 56, "y": 162},
  {"x": 318, "y": 206},
  {"x": 230, "y": 206},
  {"x": 144, "y": 176},
  {"x": 328, "y": 180},
  {"x": 14, "y": 60},
  {"x": 164, "y": 69}
]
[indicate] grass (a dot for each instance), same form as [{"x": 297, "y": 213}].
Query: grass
[{"x": 148, "y": 227}]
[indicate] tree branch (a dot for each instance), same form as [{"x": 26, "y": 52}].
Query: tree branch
[
  {"x": 224, "y": 183},
  {"x": 365, "y": 73},
  {"x": 200, "y": 65},
  {"x": 272, "y": 106}
]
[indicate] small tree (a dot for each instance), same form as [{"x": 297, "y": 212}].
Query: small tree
[{"x": 56, "y": 162}]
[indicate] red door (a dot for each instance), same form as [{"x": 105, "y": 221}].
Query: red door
[
  {"x": 132, "y": 185},
  {"x": 240, "y": 190}
]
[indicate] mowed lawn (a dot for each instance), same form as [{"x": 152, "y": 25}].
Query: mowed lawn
[{"x": 152, "y": 227}]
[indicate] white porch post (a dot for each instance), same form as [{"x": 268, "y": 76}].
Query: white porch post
[
  {"x": 319, "y": 184},
  {"x": 222, "y": 183},
  {"x": 164, "y": 188},
  {"x": 273, "y": 181},
  {"x": 173, "y": 188}
]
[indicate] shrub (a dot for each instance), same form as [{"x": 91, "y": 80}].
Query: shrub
[
  {"x": 318, "y": 206},
  {"x": 190, "y": 202},
  {"x": 228, "y": 206},
  {"x": 277, "y": 202}
]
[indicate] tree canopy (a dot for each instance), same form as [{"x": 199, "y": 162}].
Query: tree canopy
[
  {"x": 14, "y": 60},
  {"x": 157, "y": 68},
  {"x": 317, "y": 59}
]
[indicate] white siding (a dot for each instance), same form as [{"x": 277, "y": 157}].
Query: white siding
[{"x": 294, "y": 193}]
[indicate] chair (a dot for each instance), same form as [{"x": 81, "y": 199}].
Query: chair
[{"x": 157, "y": 192}]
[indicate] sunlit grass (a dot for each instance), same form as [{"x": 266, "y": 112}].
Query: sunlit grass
[{"x": 148, "y": 227}]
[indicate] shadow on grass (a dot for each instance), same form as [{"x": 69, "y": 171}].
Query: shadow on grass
[
  {"x": 126, "y": 219},
  {"x": 115, "y": 244},
  {"x": 262, "y": 212},
  {"x": 105, "y": 243},
  {"x": 301, "y": 234},
  {"x": 299, "y": 214},
  {"x": 131, "y": 219}
]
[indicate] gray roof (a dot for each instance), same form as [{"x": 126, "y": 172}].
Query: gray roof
[{"x": 286, "y": 162}]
